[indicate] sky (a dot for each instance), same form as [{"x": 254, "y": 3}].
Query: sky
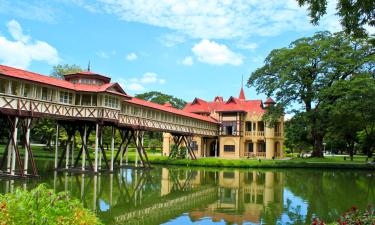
[{"x": 188, "y": 49}]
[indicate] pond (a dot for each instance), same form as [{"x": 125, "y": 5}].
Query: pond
[{"x": 185, "y": 195}]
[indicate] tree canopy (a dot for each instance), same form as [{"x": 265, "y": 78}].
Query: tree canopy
[
  {"x": 301, "y": 74},
  {"x": 354, "y": 15},
  {"x": 59, "y": 71},
  {"x": 160, "y": 98}
]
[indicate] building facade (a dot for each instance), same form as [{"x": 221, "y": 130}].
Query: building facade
[{"x": 242, "y": 132}]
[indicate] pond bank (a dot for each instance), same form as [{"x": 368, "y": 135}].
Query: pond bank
[{"x": 328, "y": 163}]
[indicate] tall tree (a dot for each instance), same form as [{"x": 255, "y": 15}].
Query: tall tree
[
  {"x": 299, "y": 73},
  {"x": 59, "y": 71},
  {"x": 354, "y": 14},
  {"x": 160, "y": 98}
]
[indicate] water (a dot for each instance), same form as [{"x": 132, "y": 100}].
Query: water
[{"x": 175, "y": 195}]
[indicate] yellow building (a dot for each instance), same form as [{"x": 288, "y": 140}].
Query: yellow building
[{"x": 242, "y": 132}]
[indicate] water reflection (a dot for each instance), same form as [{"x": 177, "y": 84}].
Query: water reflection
[{"x": 177, "y": 196}]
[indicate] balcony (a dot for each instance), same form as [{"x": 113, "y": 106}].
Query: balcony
[
  {"x": 254, "y": 133},
  {"x": 278, "y": 134}
]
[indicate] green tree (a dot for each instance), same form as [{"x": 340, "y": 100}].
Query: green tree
[
  {"x": 297, "y": 133},
  {"x": 59, "y": 71},
  {"x": 297, "y": 75},
  {"x": 160, "y": 98},
  {"x": 354, "y": 15}
]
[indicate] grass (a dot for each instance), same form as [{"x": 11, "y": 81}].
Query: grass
[{"x": 334, "y": 162}]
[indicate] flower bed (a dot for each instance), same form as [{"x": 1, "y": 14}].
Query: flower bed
[{"x": 352, "y": 217}]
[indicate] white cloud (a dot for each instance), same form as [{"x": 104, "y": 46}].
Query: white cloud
[
  {"x": 216, "y": 19},
  {"x": 217, "y": 54},
  {"x": 135, "y": 87},
  {"x": 188, "y": 61},
  {"x": 21, "y": 51},
  {"x": 170, "y": 40},
  {"x": 137, "y": 84},
  {"x": 131, "y": 56}
]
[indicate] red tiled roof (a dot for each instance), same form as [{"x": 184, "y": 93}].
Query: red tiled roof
[
  {"x": 43, "y": 79},
  {"x": 167, "y": 104},
  {"x": 144, "y": 103},
  {"x": 232, "y": 105}
]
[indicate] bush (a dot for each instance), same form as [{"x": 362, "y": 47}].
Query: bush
[
  {"x": 353, "y": 217},
  {"x": 43, "y": 206}
]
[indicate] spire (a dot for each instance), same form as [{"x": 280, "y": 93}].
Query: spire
[
  {"x": 88, "y": 67},
  {"x": 242, "y": 93}
]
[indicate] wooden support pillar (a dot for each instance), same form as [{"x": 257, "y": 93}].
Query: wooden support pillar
[
  {"x": 67, "y": 153},
  {"x": 84, "y": 145},
  {"x": 136, "y": 152},
  {"x": 14, "y": 147},
  {"x": 56, "y": 145},
  {"x": 112, "y": 147},
  {"x": 73, "y": 148},
  {"x": 96, "y": 147},
  {"x": 27, "y": 143}
]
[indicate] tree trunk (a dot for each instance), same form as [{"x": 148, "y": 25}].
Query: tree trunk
[{"x": 318, "y": 146}]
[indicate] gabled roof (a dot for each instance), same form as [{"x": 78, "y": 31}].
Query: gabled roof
[
  {"x": 270, "y": 101},
  {"x": 51, "y": 81},
  {"x": 87, "y": 74},
  {"x": 152, "y": 105},
  {"x": 233, "y": 104}
]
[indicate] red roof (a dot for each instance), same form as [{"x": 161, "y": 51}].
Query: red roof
[
  {"x": 232, "y": 105},
  {"x": 270, "y": 101},
  {"x": 43, "y": 79},
  {"x": 144, "y": 103},
  {"x": 88, "y": 74},
  {"x": 167, "y": 104},
  {"x": 242, "y": 95}
]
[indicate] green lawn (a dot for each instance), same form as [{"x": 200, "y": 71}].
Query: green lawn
[{"x": 359, "y": 162}]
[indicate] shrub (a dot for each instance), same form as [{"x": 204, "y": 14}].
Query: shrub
[
  {"x": 353, "y": 217},
  {"x": 43, "y": 206}
]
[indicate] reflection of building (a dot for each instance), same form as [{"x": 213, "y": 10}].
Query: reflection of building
[
  {"x": 245, "y": 197},
  {"x": 242, "y": 132}
]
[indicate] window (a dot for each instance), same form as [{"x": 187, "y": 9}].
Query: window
[
  {"x": 3, "y": 84},
  {"x": 110, "y": 101},
  {"x": 15, "y": 88},
  {"x": 86, "y": 99},
  {"x": 194, "y": 146},
  {"x": 66, "y": 97},
  {"x": 26, "y": 90},
  {"x": 44, "y": 93},
  {"x": 249, "y": 126},
  {"x": 229, "y": 148}
]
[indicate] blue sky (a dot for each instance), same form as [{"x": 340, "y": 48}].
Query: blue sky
[{"x": 184, "y": 48}]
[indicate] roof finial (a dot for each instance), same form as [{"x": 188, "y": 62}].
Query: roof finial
[{"x": 88, "y": 67}]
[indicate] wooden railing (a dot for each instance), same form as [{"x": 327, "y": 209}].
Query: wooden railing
[{"x": 35, "y": 107}]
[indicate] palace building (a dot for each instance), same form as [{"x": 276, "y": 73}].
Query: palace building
[{"x": 242, "y": 132}]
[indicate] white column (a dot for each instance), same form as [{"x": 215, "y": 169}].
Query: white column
[
  {"x": 96, "y": 148},
  {"x": 14, "y": 147},
  {"x": 95, "y": 190},
  {"x": 26, "y": 162},
  {"x": 100, "y": 151},
  {"x": 9, "y": 157},
  {"x": 110, "y": 189},
  {"x": 84, "y": 145},
  {"x": 56, "y": 145},
  {"x": 112, "y": 146}
]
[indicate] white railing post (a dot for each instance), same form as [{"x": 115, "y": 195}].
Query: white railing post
[{"x": 56, "y": 145}]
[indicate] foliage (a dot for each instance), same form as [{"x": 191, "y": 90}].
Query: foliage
[
  {"x": 353, "y": 217},
  {"x": 43, "y": 206},
  {"x": 310, "y": 66},
  {"x": 355, "y": 15},
  {"x": 297, "y": 133},
  {"x": 43, "y": 131},
  {"x": 178, "y": 152},
  {"x": 59, "y": 71},
  {"x": 160, "y": 98}
]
